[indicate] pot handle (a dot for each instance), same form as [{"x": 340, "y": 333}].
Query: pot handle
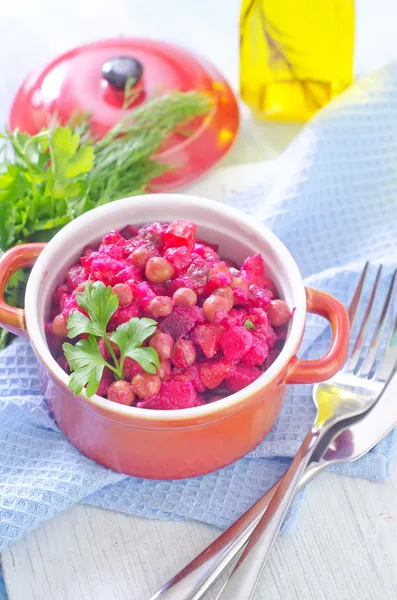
[
  {"x": 24, "y": 255},
  {"x": 320, "y": 369}
]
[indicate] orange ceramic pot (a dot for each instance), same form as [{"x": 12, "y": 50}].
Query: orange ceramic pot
[{"x": 176, "y": 443}]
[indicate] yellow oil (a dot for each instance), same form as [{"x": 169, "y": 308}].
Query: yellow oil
[{"x": 295, "y": 55}]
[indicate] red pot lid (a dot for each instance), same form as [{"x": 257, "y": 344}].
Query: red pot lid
[{"x": 91, "y": 79}]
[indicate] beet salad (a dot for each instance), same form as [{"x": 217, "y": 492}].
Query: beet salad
[{"x": 153, "y": 317}]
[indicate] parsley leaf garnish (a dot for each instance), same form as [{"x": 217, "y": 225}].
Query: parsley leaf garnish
[
  {"x": 100, "y": 303},
  {"x": 87, "y": 364},
  {"x": 130, "y": 336},
  {"x": 85, "y": 359}
]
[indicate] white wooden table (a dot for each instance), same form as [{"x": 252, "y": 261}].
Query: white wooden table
[{"x": 345, "y": 542}]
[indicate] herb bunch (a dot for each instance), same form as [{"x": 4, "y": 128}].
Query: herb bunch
[{"x": 60, "y": 173}]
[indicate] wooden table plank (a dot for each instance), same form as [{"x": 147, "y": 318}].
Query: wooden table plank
[{"x": 344, "y": 546}]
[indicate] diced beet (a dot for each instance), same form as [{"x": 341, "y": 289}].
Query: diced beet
[
  {"x": 207, "y": 253},
  {"x": 87, "y": 261},
  {"x": 235, "y": 342},
  {"x": 106, "y": 379},
  {"x": 253, "y": 270},
  {"x": 172, "y": 395},
  {"x": 259, "y": 297},
  {"x": 268, "y": 334},
  {"x": 258, "y": 352},
  {"x": 240, "y": 376},
  {"x": 262, "y": 326},
  {"x": 154, "y": 233},
  {"x": 58, "y": 293},
  {"x": 180, "y": 258},
  {"x": 180, "y": 233},
  {"x": 113, "y": 238},
  {"x": 197, "y": 273},
  {"x": 179, "y": 282},
  {"x": 196, "y": 312},
  {"x": 271, "y": 287},
  {"x": 131, "y": 368},
  {"x": 240, "y": 295},
  {"x": 144, "y": 294},
  {"x": 130, "y": 273},
  {"x": 235, "y": 317},
  {"x": 124, "y": 314},
  {"x": 213, "y": 372},
  {"x": 180, "y": 322},
  {"x": 63, "y": 301},
  {"x": 112, "y": 251},
  {"x": 183, "y": 354},
  {"x": 106, "y": 269},
  {"x": 219, "y": 276},
  {"x": 128, "y": 232},
  {"x": 71, "y": 305},
  {"x": 192, "y": 374},
  {"x": 160, "y": 289},
  {"x": 258, "y": 316},
  {"x": 75, "y": 276},
  {"x": 207, "y": 337},
  {"x": 138, "y": 242}
]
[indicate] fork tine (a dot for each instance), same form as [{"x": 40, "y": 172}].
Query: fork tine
[
  {"x": 352, "y": 310},
  {"x": 388, "y": 362},
  {"x": 370, "y": 358},
  {"x": 354, "y": 358}
]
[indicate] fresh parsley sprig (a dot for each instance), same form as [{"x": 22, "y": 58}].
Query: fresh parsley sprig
[{"x": 85, "y": 358}]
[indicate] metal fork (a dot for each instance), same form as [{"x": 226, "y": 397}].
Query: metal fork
[
  {"x": 195, "y": 579},
  {"x": 352, "y": 391}
]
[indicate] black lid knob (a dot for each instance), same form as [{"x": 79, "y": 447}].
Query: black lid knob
[{"x": 117, "y": 71}]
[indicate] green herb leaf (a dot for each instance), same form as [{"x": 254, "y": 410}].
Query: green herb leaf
[
  {"x": 77, "y": 323},
  {"x": 87, "y": 364},
  {"x": 13, "y": 185},
  {"x": 82, "y": 162},
  {"x": 249, "y": 324},
  {"x": 68, "y": 159},
  {"x": 148, "y": 358},
  {"x": 100, "y": 303},
  {"x": 131, "y": 335},
  {"x": 85, "y": 359}
]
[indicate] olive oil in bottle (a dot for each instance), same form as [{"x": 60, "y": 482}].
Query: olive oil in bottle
[{"x": 295, "y": 55}]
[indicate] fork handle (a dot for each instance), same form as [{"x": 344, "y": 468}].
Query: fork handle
[
  {"x": 194, "y": 580},
  {"x": 243, "y": 581}
]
